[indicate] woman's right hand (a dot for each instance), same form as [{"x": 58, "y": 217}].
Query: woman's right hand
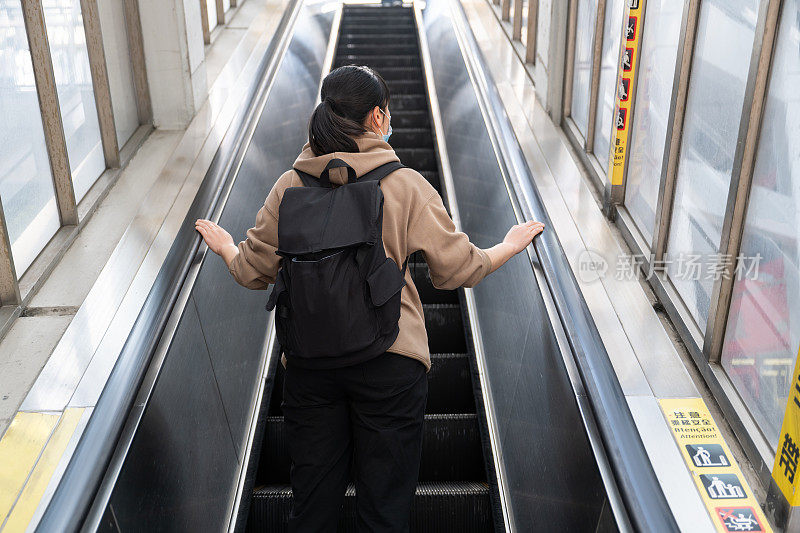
[{"x": 521, "y": 235}]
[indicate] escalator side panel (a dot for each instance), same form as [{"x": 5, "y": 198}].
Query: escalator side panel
[
  {"x": 551, "y": 475},
  {"x": 182, "y": 468},
  {"x": 159, "y": 468}
]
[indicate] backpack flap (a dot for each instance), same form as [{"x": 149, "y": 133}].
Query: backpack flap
[
  {"x": 384, "y": 282},
  {"x": 319, "y": 218}
]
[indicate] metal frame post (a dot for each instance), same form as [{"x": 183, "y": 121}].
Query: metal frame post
[
  {"x": 100, "y": 83},
  {"x": 677, "y": 110},
  {"x": 50, "y": 110}
]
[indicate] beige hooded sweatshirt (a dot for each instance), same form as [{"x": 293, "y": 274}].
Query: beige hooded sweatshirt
[{"x": 414, "y": 219}]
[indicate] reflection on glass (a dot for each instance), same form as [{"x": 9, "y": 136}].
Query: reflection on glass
[
  {"x": 711, "y": 127},
  {"x": 581, "y": 76},
  {"x": 543, "y": 31},
  {"x": 763, "y": 332},
  {"x": 26, "y": 184},
  {"x": 75, "y": 94},
  {"x": 211, "y": 5},
  {"x": 226, "y": 5},
  {"x": 659, "y": 48},
  {"x": 524, "y": 36},
  {"x": 612, "y": 32}
]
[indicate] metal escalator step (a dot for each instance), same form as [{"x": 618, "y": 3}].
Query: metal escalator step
[
  {"x": 417, "y": 118},
  {"x": 376, "y": 49},
  {"x": 417, "y": 158},
  {"x": 377, "y": 62},
  {"x": 410, "y": 137},
  {"x": 402, "y": 73},
  {"x": 405, "y": 87},
  {"x": 401, "y": 102},
  {"x": 445, "y": 329},
  {"x": 359, "y": 10},
  {"x": 427, "y": 292},
  {"x": 443, "y": 507},
  {"x": 379, "y": 29},
  {"x": 450, "y": 384},
  {"x": 372, "y": 20},
  {"x": 371, "y": 38},
  {"x": 451, "y": 449}
]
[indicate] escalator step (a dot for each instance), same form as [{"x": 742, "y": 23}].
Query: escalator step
[
  {"x": 416, "y": 118},
  {"x": 462, "y": 507},
  {"x": 365, "y": 38},
  {"x": 450, "y": 384},
  {"x": 445, "y": 329},
  {"x": 417, "y": 158},
  {"x": 405, "y": 87},
  {"x": 369, "y": 10},
  {"x": 410, "y": 137},
  {"x": 379, "y": 29},
  {"x": 402, "y": 102},
  {"x": 372, "y": 20},
  {"x": 451, "y": 449},
  {"x": 427, "y": 292},
  {"x": 377, "y": 62},
  {"x": 402, "y": 74},
  {"x": 372, "y": 49}
]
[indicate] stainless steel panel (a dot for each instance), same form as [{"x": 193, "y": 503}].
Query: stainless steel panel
[
  {"x": 233, "y": 319},
  {"x": 554, "y": 487},
  {"x": 182, "y": 463},
  {"x": 226, "y": 323}
]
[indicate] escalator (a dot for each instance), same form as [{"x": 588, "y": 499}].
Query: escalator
[
  {"x": 526, "y": 426},
  {"x": 452, "y": 493}
]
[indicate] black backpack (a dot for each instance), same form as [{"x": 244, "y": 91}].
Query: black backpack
[{"x": 337, "y": 295}]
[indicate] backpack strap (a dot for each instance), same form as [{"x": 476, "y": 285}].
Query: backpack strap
[
  {"x": 307, "y": 179},
  {"x": 324, "y": 179},
  {"x": 378, "y": 173}
]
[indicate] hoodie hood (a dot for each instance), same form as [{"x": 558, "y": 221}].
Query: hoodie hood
[{"x": 373, "y": 152}]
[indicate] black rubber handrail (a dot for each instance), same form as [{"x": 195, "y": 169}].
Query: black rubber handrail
[
  {"x": 78, "y": 486},
  {"x": 643, "y": 498}
]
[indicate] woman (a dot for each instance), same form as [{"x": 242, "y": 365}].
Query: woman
[{"x": 370, "y": 412}]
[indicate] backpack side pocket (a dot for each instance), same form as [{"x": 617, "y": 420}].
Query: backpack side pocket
[{"x": 385, "y": 288}]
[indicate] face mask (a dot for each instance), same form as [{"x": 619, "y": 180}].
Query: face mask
[{"x": 389, "y": 132}]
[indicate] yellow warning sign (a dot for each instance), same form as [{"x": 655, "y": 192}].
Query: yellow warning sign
[
  {"x": 628, "y": 59},
  {"x": 719, "y": 479},
  {"x": 785, "y": 468}
]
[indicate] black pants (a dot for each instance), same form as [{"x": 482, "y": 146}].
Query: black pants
[{"x": 370, "y": 414}]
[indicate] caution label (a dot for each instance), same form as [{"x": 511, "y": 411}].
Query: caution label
[
  {"x": 784, "y": 471},
  {"x": 627, "y": 78},
  {"x": 718, "y": 478}
]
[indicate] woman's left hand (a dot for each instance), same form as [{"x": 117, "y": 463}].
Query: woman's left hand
[{"x": 216, "y": 238}]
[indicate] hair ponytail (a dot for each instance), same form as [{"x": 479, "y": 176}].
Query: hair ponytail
[{"x": 348, "y": 93}]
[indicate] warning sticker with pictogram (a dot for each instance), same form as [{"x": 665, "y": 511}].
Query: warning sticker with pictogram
[
  {"x": 627, "y": 60},
  {"x": 723, "y": 486},
  {"x": 707, "y": 455},
  {"x": 624, "y": 89},
  {"x": 630, "y": 30},
  {"x": 623, "y": 104},
  {"x": 716, "y": 475},
  {"x": 739, "y": 519}
]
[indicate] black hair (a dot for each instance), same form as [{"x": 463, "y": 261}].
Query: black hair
[{"x": 348, "y": 94}]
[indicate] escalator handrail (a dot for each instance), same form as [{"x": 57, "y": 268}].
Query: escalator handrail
[
  {"x": 75, "y": 494},
  {"x": 638, "y": 484}
]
